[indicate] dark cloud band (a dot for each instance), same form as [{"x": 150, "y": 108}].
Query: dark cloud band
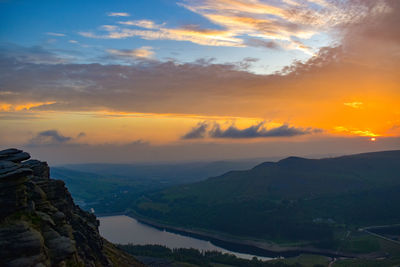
[{"x": 254, "y": 131}]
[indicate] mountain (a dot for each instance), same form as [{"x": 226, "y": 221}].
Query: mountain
[
  {"x": 294, "y": 201},
  {"x": 41, "y": 226}
]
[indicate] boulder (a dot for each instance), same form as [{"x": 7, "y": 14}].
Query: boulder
[{"x": 14, "y": 155}]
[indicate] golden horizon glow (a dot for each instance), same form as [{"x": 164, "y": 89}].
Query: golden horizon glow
[{"x": 156, "y": 128}]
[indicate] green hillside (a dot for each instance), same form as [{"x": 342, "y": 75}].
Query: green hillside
[{"x": 295, "y": 200}]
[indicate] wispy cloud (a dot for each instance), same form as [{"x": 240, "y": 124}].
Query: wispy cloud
[
  {"x": 109, "y": 27},
  {"x": 144, "y": 52},
  {"x": 55, "y": 34},
  {"x": 192, "y": 34},
  {"x": 148, "y": 24},
  {"x": 118, "y": 14},
  {"x": 239, "y": 23},
  {"x": 286, "y": 22}
]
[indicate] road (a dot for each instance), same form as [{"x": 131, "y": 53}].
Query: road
[
  {"x": 381, "y": 236},
  {"x": 332, "y": 262}
]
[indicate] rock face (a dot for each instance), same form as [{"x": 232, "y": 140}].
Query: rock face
[{"x": 41, "y": 226}]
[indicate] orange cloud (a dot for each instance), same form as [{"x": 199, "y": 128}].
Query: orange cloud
[
  {"x": 6, "y": 107},
  {"x": 197, "y": 36},
  {"x": 356, "y": 132}
]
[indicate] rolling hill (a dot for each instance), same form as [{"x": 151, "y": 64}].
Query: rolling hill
[{"x": 292, "y": 201}]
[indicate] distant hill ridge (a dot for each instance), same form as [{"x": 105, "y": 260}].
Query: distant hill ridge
[
  {"x": 292, "y": 200},
  {"x": 390, "y": 154}
]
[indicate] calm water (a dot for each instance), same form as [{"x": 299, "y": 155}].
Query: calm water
[{"x": 123, "y": 230}]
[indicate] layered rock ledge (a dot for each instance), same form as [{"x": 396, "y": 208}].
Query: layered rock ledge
[{"x": 41, "y": 226}]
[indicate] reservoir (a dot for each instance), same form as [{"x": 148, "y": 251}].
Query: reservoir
[{"x": 122, "y": 229}]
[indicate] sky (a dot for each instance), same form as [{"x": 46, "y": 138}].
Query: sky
[{"x": 198, "y": 80}]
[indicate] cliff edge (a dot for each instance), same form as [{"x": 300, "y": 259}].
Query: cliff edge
[{"x": 41, "y": 226}]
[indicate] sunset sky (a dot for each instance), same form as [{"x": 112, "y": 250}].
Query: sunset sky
[{"x": 166, "y": 80}]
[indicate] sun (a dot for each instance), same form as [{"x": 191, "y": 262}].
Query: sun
[{"x": 373, "y": 139}]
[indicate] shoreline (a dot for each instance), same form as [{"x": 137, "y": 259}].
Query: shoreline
[{"x": 262, "y": 249}]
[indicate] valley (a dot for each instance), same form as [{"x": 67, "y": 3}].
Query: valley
[{"x": 292, "y": 206}]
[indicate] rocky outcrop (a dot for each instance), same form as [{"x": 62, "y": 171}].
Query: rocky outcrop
[{"x": 41, "y": 226}]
